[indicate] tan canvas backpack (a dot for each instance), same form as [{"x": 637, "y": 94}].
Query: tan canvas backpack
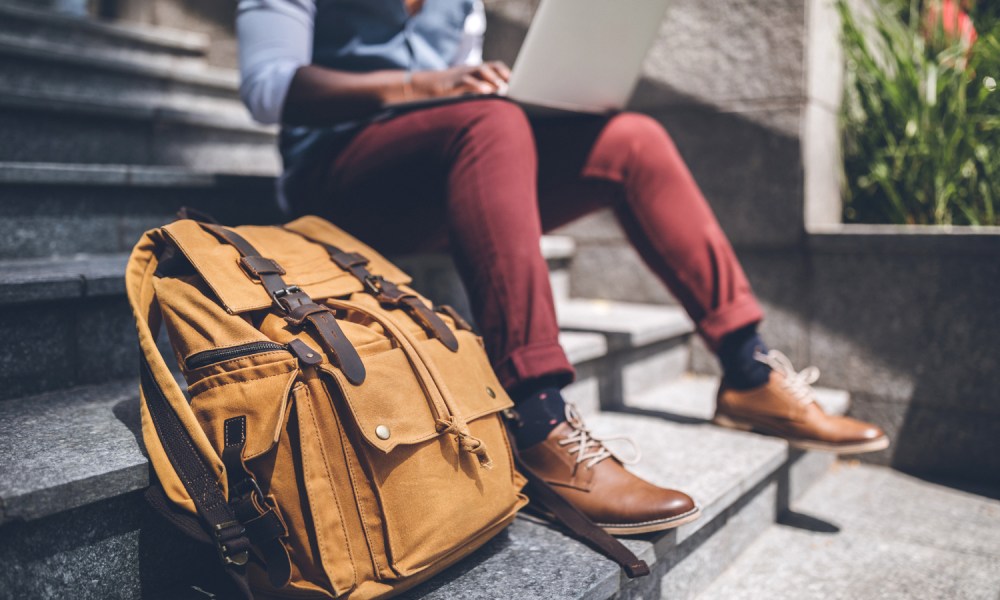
[{"x": 340, "y": 436}]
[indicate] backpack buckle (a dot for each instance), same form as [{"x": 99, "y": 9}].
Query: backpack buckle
[
  {"x": 292, "y": 289},
  {"x": 373, "y": 283},
  {"x": 225, "y": 533}
]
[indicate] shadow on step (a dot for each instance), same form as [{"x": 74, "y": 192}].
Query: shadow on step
[
  {"x": 799, "y": 520},
  {"x": 661, "y": 414}
]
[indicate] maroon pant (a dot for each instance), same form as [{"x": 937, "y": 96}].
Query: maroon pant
[{"x": 481, "y": 179}]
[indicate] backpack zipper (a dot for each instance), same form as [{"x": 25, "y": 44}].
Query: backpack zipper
[{"x": 210, "y": 357}]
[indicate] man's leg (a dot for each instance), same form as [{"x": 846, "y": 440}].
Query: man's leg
[
  {"x": 460, "y": 176},
  {"x": 467, "y": 173},
  {"x": 628, "y": 162}
]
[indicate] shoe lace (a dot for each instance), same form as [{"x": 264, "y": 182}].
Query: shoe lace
[
  {"x": 799, "y": 383},
  {"x": 589, "y": 448}
]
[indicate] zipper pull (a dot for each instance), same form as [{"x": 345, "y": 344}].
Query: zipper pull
[{"x": 306, "y": 355}]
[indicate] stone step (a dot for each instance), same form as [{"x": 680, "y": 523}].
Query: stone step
[
  {"x": 66, "y": 69},
  {"x": 867, "y": 532},
  {"x": 31, "y": 25},
  {"x": 647, "y": 344},
  {"x": 42, "y": 126},
  {"x": 72, "y": 462},
  {"x": 51, "y": 209}
]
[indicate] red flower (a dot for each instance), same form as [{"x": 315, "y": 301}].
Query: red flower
[{"x": 952, "y": 20}]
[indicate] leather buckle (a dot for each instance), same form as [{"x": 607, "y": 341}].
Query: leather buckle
[
  {"x": 374, "y": 283},
  {"x": 292, "y": 289},
  {"x": 283, "y": 294},
  {"x": 221, "y": 539}
]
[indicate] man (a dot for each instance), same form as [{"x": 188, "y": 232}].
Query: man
[{"x": 481, "y": 179}]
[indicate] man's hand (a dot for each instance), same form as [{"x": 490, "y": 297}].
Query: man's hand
[{"x": 487, "y": 78}]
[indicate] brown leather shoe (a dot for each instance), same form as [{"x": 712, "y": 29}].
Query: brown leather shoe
[
  {"x": 786, "y": 407},
  {"x": 595, "y": 481}
]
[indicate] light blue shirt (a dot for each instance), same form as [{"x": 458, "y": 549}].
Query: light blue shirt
[{"x": 276, "y": 37}]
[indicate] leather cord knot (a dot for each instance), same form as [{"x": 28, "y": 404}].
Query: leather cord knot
[{"x": 466, "y": 441}]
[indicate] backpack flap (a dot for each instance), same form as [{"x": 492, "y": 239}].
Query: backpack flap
[{"x": 304, "y": 263}]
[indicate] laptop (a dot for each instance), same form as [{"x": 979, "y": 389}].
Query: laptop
[
  {"x": 579, "y": 56},
  {"x": 585, "y": 55}
]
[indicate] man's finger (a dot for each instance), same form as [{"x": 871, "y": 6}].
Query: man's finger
[
  {"x": 502, "y": 69},
  {"x": 487, "y": 73},
  {"x": 475, "y": 85}
]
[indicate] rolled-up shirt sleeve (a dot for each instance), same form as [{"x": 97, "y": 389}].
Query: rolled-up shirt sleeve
[{"x": 275, "y": 39}]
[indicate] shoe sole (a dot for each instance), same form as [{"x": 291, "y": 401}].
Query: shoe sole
[
  {"x": 627, "y": 529},
  {"x": 843, "y": 448}
]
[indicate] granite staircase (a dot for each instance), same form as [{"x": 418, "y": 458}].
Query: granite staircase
[{"x": 106, "y": 131}]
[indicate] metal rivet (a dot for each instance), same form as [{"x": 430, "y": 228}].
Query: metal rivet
[
  {"x": 310, "y": 355},
  {"x": 382, "y": 432},
  {"x": 490, "y": 392}
]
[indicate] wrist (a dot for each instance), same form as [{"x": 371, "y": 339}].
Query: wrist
[{"x": 408, "y": 93}]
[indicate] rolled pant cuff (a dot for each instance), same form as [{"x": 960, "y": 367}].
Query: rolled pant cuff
[
  {"x": 534, "y": 362},
  {"x": 728, "y": 319}
]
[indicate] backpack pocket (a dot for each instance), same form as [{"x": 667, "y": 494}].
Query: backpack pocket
[
  {"x": 435, "y": 499},
  {"x": 254, "y": 380}
]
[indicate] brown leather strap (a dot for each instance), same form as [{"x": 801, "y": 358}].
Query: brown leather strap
[
  {"x": 222, "y": 525},
  {"x": 388, "y": 293},
  {"x": 459, "y": 320},
  {"x": 542, "y": 494},
  {"x": 256, "y": 512},
  {"x": 298, "y": 307}
]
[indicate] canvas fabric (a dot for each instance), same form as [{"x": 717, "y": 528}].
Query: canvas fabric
[{"x": 376, "y": 485}]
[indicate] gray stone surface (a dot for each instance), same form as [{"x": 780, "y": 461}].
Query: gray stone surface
[
  {"x": 871, "y": 532},
  {"x": 115, "y": 549},
  {"x": 583, "y": 347},
  {"x": 57, "y": 129},
  {"x": 528, "y": 560},
  {"x": 906, "y": 320},
  {"x": 684, "y": 571},
  {"x": 625, "y": 325},
  {"x": 69, "y": 449},
  {"x": 65, "y": 70},
  {"x": 50, "y": 210},
  {"x": 36, "y": 279},
  {"x": 31, "y": 24}
]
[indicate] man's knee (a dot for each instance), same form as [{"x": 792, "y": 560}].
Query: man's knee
[
  {"x": 641, "y": 139},
  {"x": 634, "y": 129}
]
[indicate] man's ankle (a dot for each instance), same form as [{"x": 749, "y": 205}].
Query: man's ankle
[
  {"x": 741, "y": 370},
  {"x": 539, "y": 412}
]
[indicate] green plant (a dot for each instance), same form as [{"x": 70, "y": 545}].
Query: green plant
[{"x": 921, "y": 119}]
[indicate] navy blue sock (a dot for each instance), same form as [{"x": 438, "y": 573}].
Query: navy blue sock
[
  {"x": 741, "y": 371},
  {"x": 540, "y": 412}
]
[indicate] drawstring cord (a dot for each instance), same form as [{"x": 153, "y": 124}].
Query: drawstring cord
[{"x": 466, "y": 441}]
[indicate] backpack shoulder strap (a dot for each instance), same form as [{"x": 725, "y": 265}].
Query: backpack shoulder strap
[{"x": 179, "y": 450}]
